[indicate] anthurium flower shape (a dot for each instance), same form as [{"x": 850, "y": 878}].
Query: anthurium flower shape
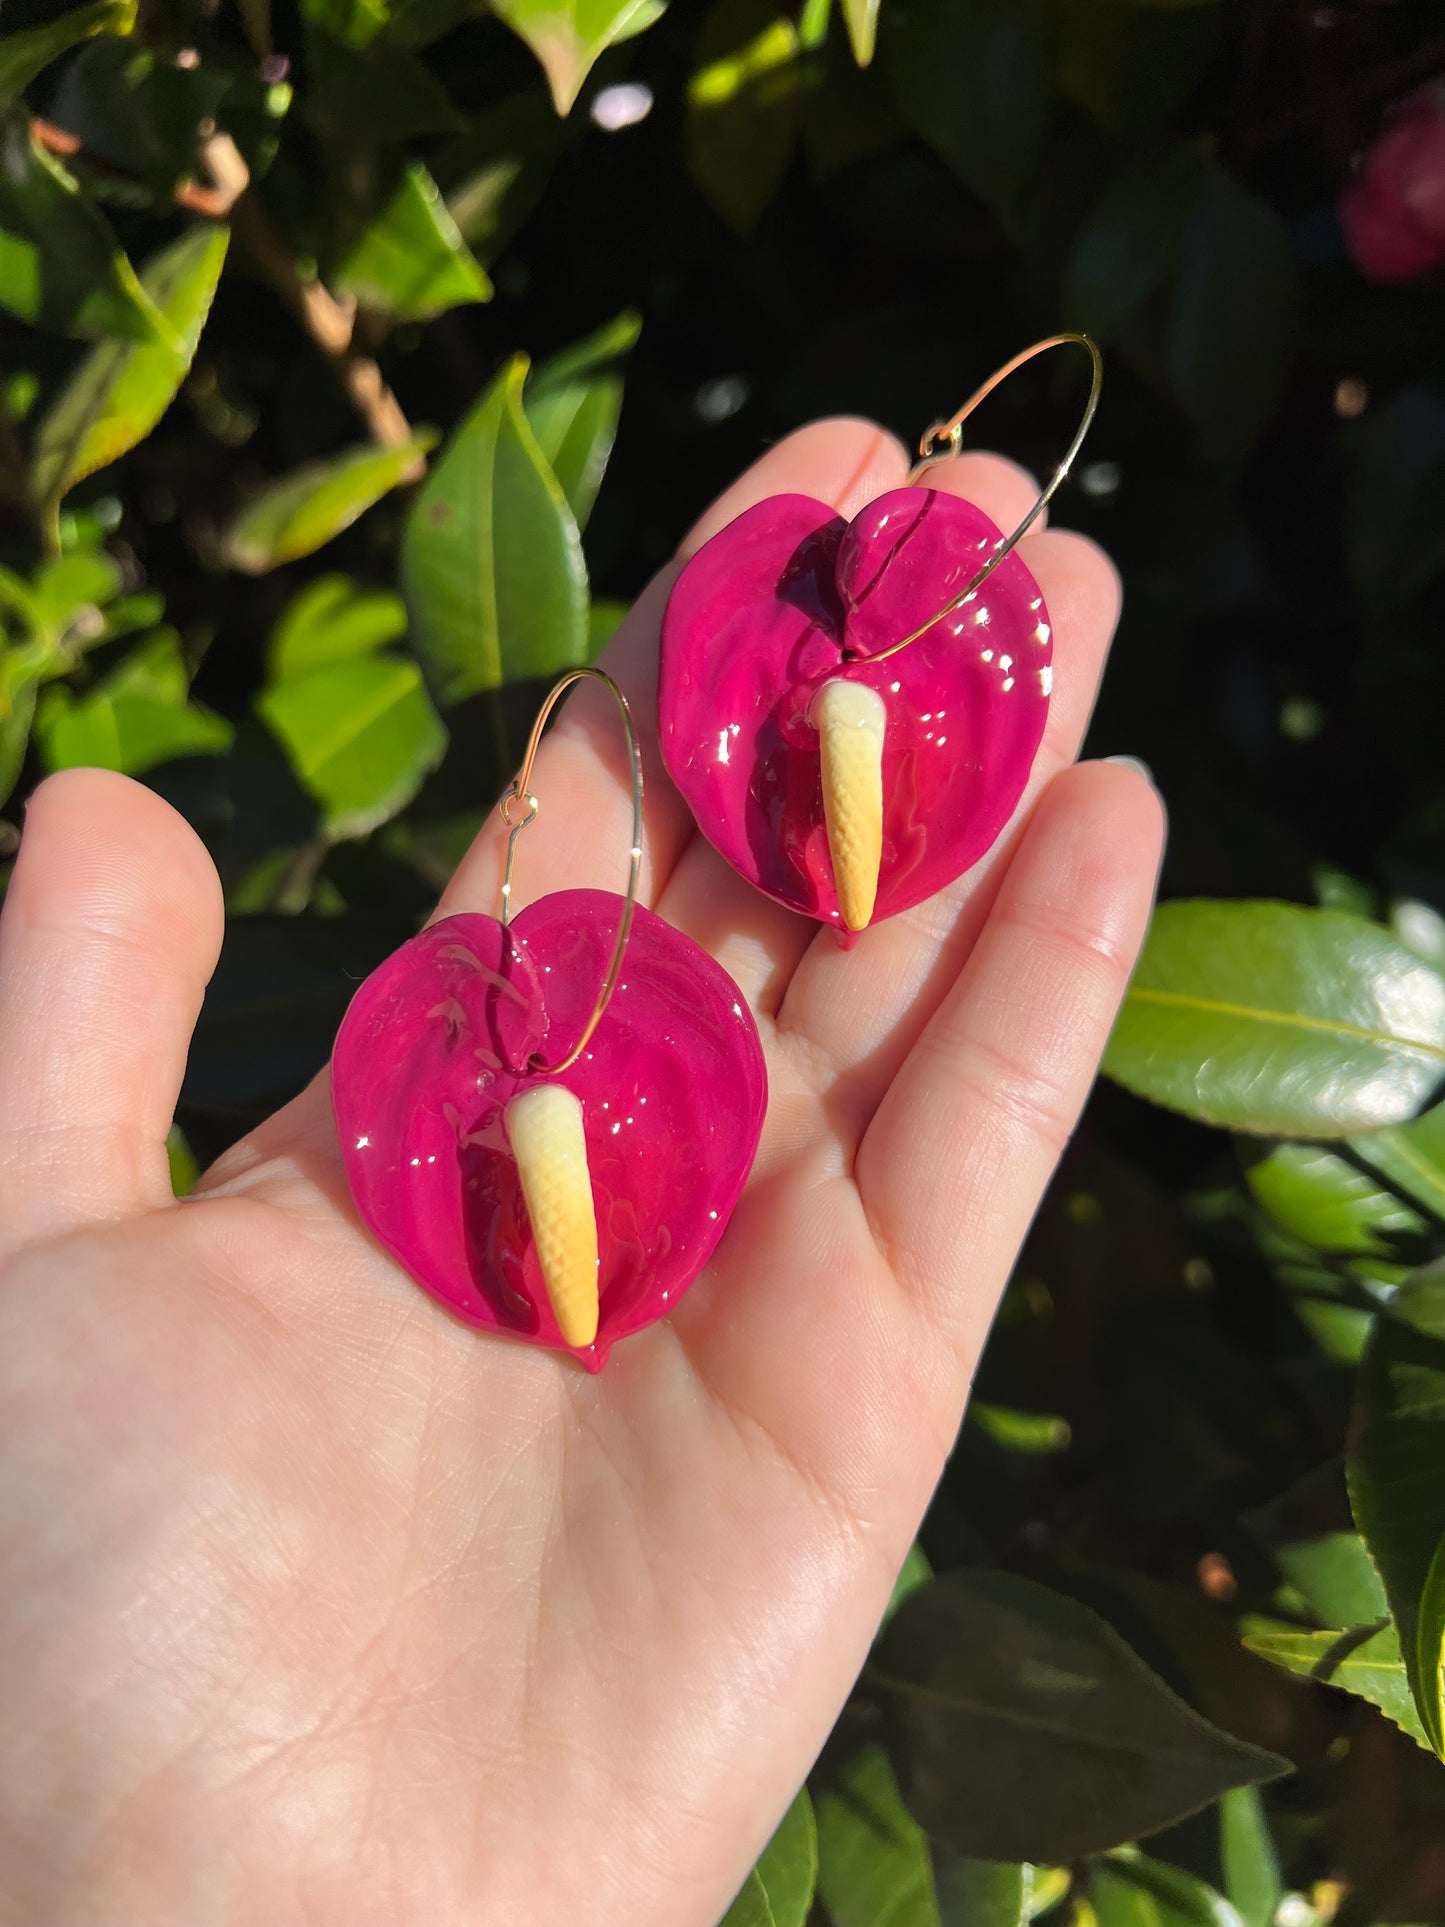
[
  {"x": 847, "y": 788},
  {"x": 513, "y": 1193}
]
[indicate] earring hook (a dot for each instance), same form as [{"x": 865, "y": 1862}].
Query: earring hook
[
  {"x": 950, "y": 434},
  {"x": 518, "y": 792}
]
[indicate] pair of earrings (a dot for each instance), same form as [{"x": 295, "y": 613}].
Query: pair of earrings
[{"x": 553, "y": 1148}]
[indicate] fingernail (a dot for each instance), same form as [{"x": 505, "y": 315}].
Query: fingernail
[{"x": 1135, "y": 763}]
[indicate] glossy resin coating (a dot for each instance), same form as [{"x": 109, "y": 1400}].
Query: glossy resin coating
[
  {"x": 672, "y": 1087},
  {"x": 763, "y": 615}
]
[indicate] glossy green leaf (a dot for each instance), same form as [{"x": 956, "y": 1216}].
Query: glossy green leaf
[
  {"x": 1130, "y": 1890},
  {"x": 744, "y": 107},
  {"x": 1248, "y": 1861},
  {"x": 135, "y": 718},
  {"x": 61, "y": 267},
  {"x": 573, "y": 403},
  {"x": 1271, "y": 1018},
  {"x": 361, "y": 736},
  {"x": 492, "y": 565},
  {"x": 779, "y": 1890},
  {"x": 1023, "y": 1728},
  {"x": 567, "y": 36},
  {"x": 23, "y": 55},
  {"x": 1365, "y": 1661},
  {"x": 861, "y": 19},
  {"x": 1395, "y": 518},
  {"x": 876, "y": 1867},
  {"x": 1234, "y": 317},
  {"x": 411, "y": 262},
  {"x": 121, "y": 389},
  {"x": 1310, "y": 1535},
  {"x": 1396, "y": 1465},
  {"x": 303, "y": 511},
  {"x": 1131, "y": 238},
  {"x": 330, "y": 620}
]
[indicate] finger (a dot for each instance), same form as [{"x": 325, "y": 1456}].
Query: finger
[
  {"x": 583, "y": 830},
  {"x": 952, "y": 1166},
  {"x": 866, "y": 1008},
  {"x": 110, "y": 931}
]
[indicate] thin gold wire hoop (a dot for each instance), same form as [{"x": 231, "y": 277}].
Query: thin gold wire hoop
[
  {"x": 950, "y": 435},
  {"x": 518, "y": 792}
]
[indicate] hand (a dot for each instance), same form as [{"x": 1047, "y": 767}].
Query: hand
[{"x": 316, "y": 1607}]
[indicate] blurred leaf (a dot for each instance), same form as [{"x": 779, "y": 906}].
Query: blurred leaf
[
  {"x": 24, "y": 55},
  {"x": 17, "y": 712},
  {"x": 604, "y": 619},
  {"x": 1133, "y": 68},
  {"x": 1232, "y": 325},
  {"x": 1336, "y": 1577},
  {"x": 568, "y": 35},
  {"x": 1023, "y": 1728},
  {"x": 61, "y": 267},
  {"x": 184, "y": 1169},
  {"x": 744, "y": 108},
  {"x": 876, "y": 1868},
  {"x": 1032, "y": 1432},
  {"x": 975, "y": 79},
  {"x": 1395, "y": 518},
  {"x": 138, "y": 111},
  {"x": 1130, "y": 240},
  {"x": 1248, "y": 1861},
  {"x": 1271, "y": 1018},
  {"x": 381, "y": 95},
  {"x": 1396, "y": 1464},
  {"x": 492, "y": 565},
  {"x": 361, "y": 735},
  {"x": 913, "y": 1573},
  {"x": 1365, "y": 1661},
  {"x": 1129, "y": 1890},
  {"x": 861, "y": 19},
  {"x": 136, "y": 717},
  {"x": 354, "y": 23},
  {"x": 303, "y": 511},
  {"x": 330, "y": 620},
  {"x": 411, "y": 262},
  {"x": 121, "y": 390},
  {"x": 573, "y": 403},
  {"x": 779, "y": 1890}
]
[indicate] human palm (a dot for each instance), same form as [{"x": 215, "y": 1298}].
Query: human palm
[{"x": 316, "y": 1606}]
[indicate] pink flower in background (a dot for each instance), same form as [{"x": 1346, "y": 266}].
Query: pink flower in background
[{"x": 1394, "y": 210}]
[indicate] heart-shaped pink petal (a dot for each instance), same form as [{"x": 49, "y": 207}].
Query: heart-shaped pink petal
[
  {"x": 672, "y": 1085},
  {"x": 788, "y": 596}
]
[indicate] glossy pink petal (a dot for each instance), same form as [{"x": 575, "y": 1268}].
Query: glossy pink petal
[
  {"x": 763, "y": 614},
  {"x": 672, "y": 1085}
]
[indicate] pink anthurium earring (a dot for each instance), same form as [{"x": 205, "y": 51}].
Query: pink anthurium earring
[
  {"x": 549, "y": 1118},
  {"x": 852, "y": 709}
]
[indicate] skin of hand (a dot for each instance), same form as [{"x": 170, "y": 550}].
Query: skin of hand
[{"x": 321, "y": 1609}]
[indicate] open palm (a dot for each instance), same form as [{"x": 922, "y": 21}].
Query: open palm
[{"x": 317, "y": 1607}]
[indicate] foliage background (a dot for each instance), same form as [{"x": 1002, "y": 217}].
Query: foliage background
[{"x": 263, "y": 609}]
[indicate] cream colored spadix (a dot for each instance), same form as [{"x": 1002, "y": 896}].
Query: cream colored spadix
[
  {"x": 851, "y": 722},
  {"x": 544, "y": 1128}
]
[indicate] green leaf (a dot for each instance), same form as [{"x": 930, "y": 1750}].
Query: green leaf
[
  {"x": 913, "y": 1573},
  {"x": 361, "y": 735},
  {"x": 331, "y": 620},
  {"x": 184, "y": 1169},
  {"x": 304, "y": 510},
  {"x": 1130, "y": 240},
  {"x": 355, "y": 23},
  {"x": 411, "y": 262},
  {"x": 876, "y": 1868},
  {"x": 24, "y": 55},
  {"x": 121, "y": 390},
  {"x": 1396, "y": 1470},
  {"x": 1023, "y": 1728},
  {"x": 1395, "y": 517},
  {"x": 861, "y": 19},
  {"x": 1342, "y": 1205},
  {"x": 1133, "y": 1891},
  {"x": 492, "y": 565},
  {"x": 1365, "y": 1661},
  {"x": 975, "y": 79},
  {"x": 135, "y": 718},
  {"x": 779, "y": 1890},
  {"x": 17, "y": 712},
  {"x": 744, "y": 108},
  {"x": 61, "y": 267},
  {"x": 1271, "y": 1018},
  {"x": 1032, "y": 1432},
  {"x": 567, "y": 36},
  {"x": 1233, "y": 321},
  {"x": 573, "y": 403},
  {"x": 1247, "y": 1856}
]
